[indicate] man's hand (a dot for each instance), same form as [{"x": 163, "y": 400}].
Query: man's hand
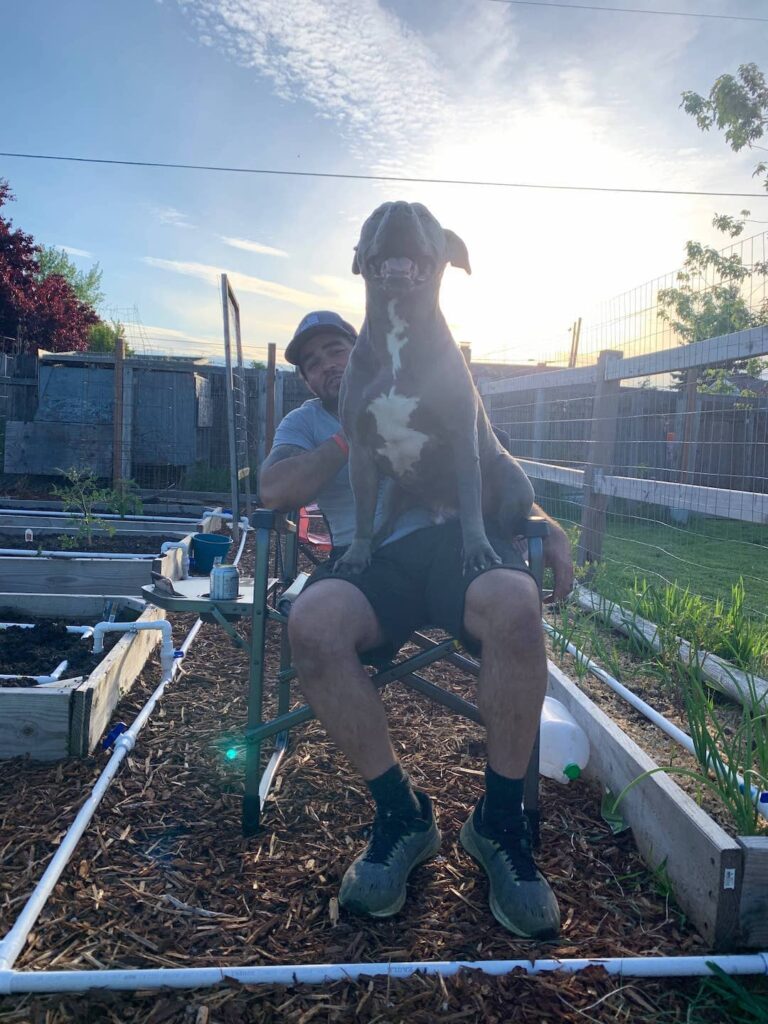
[{"x": 557, "y": 557}]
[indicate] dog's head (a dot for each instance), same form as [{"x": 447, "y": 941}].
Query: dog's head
[{"x": 402, "y": 247}]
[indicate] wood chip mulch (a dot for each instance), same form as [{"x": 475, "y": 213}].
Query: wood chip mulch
[{"x": 163, "y": 878}]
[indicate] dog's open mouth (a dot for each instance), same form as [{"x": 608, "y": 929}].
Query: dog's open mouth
[{"x": 402, "y": 271}]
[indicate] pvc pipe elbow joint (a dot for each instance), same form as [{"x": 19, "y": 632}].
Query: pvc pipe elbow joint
[{"x": 175, "y": 545}]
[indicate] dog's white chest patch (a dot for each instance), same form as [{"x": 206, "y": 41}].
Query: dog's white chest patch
[
  {"x": 402, "y": 444},
  {"x": 397, "y": 337}
]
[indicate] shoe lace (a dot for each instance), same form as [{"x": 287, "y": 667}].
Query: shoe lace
[
  {"x": 387, "y": 831},
  {"x": 514, "y": 843}
]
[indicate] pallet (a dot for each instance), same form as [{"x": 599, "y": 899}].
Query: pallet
[
  {"x": 51, "y": 722},
  {"x": 720, "y": 882}
]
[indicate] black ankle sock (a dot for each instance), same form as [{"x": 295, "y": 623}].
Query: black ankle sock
[
  {"x": 503, "y": 799},
  {"x": 394, "y": 794}
]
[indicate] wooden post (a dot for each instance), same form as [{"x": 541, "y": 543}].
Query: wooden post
[
  {"x": 117, "y": 415},
  {"x": 575, "y": 338},
  {"x": 602, "y": 445},
  {"x": 126, "y": 472},
  {"x": 270, "y": 424},
  {"x": 539, "y": 421},
  {"x": 690, "y": 428},
  {"x": 466, "y": 351}
]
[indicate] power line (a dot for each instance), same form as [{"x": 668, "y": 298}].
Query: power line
[
  {"x": 630, "y": 10},
  {"x": 384, "y": 177}
]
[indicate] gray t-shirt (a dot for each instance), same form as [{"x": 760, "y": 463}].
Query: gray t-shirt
[{"x": 308, "y": 427}]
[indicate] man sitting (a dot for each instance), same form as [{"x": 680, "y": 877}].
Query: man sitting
[{"x": 415, "y": 578}]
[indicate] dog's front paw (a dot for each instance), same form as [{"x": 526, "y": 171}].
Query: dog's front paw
[
  {"x": 355, "y": 559},
  {"x": 480, "y": 556}
]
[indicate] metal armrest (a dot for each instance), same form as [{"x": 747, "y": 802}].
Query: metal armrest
[
  {"x": 289, "y": 595},
  {"x": 270, "y": 519},
  {"x": 535, "y": 526},
  {"x": 534, "y": 531}
]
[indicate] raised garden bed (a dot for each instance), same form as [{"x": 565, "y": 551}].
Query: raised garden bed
[
  {"x": 74, "y": 572},
  {"x": 33, "y": 653},
  {"x": 719, "y": 879},
  {"x": 67, "y": 716}
]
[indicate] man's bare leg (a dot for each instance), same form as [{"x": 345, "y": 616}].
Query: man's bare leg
[
  {"x": 502, "y": 611},
  {"x": 328, "y": 626}
]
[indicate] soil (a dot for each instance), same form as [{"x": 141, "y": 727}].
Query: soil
[
  {"x": 137, "y": 544},
  {"x": 39, "y": 650}
]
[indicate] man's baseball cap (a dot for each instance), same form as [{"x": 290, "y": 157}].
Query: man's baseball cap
[{"x": 319, "y": 322}]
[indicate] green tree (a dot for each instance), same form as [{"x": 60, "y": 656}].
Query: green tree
[
  {"x": 103, "y": 337},
  {"x": 737, "y": 105},
  {"x": 709, "y": 300},
  {"x": 85, "y": 284}
]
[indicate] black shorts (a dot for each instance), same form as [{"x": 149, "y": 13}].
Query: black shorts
[{"x": 419, "y": 581}]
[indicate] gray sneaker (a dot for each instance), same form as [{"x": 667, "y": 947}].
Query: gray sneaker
[
  {"x": 520, "y": 897},
  {"x": 374, "y": 883}
]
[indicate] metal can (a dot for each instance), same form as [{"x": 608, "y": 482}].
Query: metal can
[{"x": 225, "y": 583}]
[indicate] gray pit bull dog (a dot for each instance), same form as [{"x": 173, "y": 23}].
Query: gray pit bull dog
[{"x": 408, "y": 404}]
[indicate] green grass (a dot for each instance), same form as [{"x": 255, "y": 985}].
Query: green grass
[{"x": 707, "y": 557}]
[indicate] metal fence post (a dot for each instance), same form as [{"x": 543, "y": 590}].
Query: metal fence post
[
  {"x": 602, "y": 445},
  {"x": 270, "y": 411}
]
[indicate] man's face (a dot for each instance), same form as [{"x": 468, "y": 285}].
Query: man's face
[{"x": 322, "y": 363}]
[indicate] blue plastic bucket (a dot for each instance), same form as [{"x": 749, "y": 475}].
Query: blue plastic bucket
[{"x": 206, "y": 547}]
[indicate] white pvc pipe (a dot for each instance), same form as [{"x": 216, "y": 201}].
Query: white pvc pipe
[
  {"x": 55, "y": 514},
  {"x": 54, "y": 677},
  {"x": 675, "y": 733},
  {"x": 86, "y": 631},
  {"x": 18, "y": 982},
  {"x": 25, "y": 553},
  {"x": 166, "y": 649},
  {"x": 174, "y": 545},
  {"x": 13, "y": 942}
]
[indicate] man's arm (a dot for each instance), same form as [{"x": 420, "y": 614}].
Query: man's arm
[
  {"x": 557, "y": 557},
  {"x": 292, "y": 476}
]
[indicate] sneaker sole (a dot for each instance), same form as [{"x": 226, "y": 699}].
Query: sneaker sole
[
  {"x": 397, "y": 905},
  {"x": 467, "y": 841}
]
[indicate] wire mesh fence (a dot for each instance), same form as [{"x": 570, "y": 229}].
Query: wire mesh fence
[{"x": 655, "y": 454}]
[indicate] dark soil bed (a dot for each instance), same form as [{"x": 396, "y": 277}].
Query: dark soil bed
[
  {"x": 163, "y": 877},
  {"x": 39, "y": 650},
  {"x": 128, "y": 543}
]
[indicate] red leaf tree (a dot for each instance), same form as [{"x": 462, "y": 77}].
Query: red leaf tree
[{"x": 43, "y": 314}]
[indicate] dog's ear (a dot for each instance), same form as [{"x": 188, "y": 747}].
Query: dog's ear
[
  {"x": 355, "y": 263},
  {"x": 456, "y": 251}
]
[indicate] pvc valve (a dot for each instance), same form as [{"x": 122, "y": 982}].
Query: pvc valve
[{"x": 114, "y": 732}]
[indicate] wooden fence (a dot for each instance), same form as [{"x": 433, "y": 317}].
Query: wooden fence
[{"x": 676, "y": 449}]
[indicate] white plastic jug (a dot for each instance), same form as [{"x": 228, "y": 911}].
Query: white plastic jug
[{"x": 564, "y": 745}]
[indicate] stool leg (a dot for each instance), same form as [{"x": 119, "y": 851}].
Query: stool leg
[
  {"x": 251, "y": 801},
  {"x": 531, "y": 792}
]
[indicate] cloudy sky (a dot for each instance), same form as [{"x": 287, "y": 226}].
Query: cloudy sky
[{"x": 462, "y": 89}]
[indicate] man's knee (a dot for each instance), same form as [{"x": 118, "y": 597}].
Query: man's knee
[
  {"x": 331, "y": 619},
  {"x": 503, "y": 602}
]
